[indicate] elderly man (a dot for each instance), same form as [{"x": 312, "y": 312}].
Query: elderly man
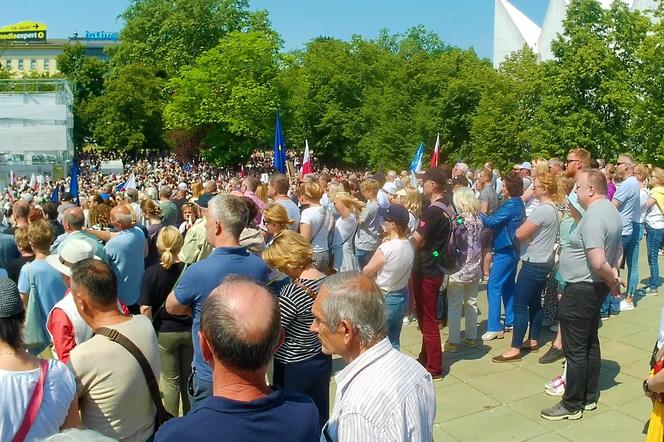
[
  {"x": 73, "y": 220},
  {"x": 589, "y": 265},
  {"x": 225, "y": 219},
  {"x": 382, "y": 394},
  {"x": 240, "y": 331},
  {"x": 114, "y": 398},
  {"x": 126, "y": 250}
]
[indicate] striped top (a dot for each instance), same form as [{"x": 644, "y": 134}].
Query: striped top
[
  {"x": 296, "y": 318},
  {"x": 383, "y": 395}
]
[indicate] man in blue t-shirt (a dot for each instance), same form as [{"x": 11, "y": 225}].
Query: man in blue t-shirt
[
  {"x": 226, "y": 217},
  {"x": 240, "y": 331}
]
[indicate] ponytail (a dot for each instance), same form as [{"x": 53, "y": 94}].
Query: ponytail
[{"x": 166, "y": 259}]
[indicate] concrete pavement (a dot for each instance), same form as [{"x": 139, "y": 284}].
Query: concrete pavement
[{"x": 481, "y": 400}]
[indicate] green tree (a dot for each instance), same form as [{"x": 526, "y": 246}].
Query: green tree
[
  {"x": 502, "y": 124},
  {"x": 169, "y": 34},
  {"x": 228, "y": 96},
  {"x": 87, "y": 75},
  {"x": 589, "y": 97},
  {"x": 128, "y": 116}
]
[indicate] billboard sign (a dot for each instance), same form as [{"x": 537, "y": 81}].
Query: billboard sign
[
  {"x": 101, "y": 36},
  {"x": 24, "y": 31}
]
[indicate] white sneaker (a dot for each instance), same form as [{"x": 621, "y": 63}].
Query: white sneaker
[
  {"x": 406, "y": 320},
  {"x": 489, "y": 336},
  {"x": 626, "y": 306},
  {"x": 554, "y": 383},
  {"x": 556, "y": 391},
  {"x": 650, "y": 291}
]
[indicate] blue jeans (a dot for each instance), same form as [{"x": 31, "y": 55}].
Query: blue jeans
[
  {"x": 397, "y": 307},
  {"x": 632, "y": 260},
  {"x": 310, "y": 377},
  {"x": 501, "y": 285},
  {"x": 654, "y": 242},
  {"x": 363, "y": 256},
  {"x": 611, "y": 303},
  {"x": 527, "y": 301},
  {"x": 199, "y": 389}
]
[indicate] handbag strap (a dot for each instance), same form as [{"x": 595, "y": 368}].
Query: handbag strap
[
  {"x": 117, "y": 337},
  {"x": 34, "y": 404}
]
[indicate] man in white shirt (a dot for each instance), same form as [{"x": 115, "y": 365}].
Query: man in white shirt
[{"x": 382, "y": 394}]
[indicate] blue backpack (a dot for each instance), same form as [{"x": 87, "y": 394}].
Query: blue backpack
[{"x": 453, "y": 255}]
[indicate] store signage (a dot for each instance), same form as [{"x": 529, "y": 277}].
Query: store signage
[
  {"x": 24, "y": 31},
  {"x": 101, "y": 36}
]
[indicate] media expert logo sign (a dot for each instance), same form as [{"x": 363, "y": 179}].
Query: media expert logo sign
[{"x": 24, "y": 31}]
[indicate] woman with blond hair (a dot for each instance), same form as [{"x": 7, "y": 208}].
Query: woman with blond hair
[
  {"x": 316, "y": 223},
  {"x": 655, "y": 227},
  {"x": 463, "y": 285},
  {"x": 345, "y": 228},
  {"x": 275, "y": 221},
  {"x": 300, "y": 366},
  {"x": 537, "y": 237},
  {"x": 174, "y": 332}
]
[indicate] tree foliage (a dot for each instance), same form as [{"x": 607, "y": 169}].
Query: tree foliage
[{"x": 229, "y": 94}]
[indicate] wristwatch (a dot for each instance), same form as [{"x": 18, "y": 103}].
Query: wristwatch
[{"x": 646, "y": 389}]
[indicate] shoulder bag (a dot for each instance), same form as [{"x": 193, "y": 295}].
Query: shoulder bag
[
  {"x": 35, "y": 338},
  {"x": 34, "y": 404},
  {"x": 117, "y": 337}
]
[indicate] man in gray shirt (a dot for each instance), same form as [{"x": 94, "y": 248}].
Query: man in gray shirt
[{"x": 590, "y": 266}]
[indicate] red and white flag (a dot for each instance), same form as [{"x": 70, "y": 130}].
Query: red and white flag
[
  {"x": 12, "y": 177},
  {"x": 33, "y": 182},
  {"x": 306, "y": 161},
  {"x": 436, "y": 153}
]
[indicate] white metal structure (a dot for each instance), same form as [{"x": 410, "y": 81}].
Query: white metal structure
[
  {"x": 513, "y": 29},
  {"x": 36, "y": 120}
]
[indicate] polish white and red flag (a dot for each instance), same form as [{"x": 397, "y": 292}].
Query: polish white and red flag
[
  {"x": 436, "y": 153},
  {"x": 306, "y": 161}
]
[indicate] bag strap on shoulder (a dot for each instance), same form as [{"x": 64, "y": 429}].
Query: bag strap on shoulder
[
  {"x": 34, "y": 404},
  {"x": 117, "y": 337}
]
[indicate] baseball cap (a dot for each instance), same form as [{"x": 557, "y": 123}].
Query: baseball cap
[
  {"x": 390, "y": 188},
  {"x": 204, "y": 199},
  {"x": 73, "y": 251},
  {"x": 10, "y": 300},
  {"x": 526, "y": 165},
  {"x": 395, "y": 213}
]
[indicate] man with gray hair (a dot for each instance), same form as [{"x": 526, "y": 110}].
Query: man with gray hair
[
  {"x": 382, "y": 394},
  {"x": 169, "y": 211},
  {"x": 126, "y": 250},
  {"x": 225, "y": 219},
  {"x": 132, "y": 196},
  {"x": 73, "y": 220},
  {"x": 239, "y": 333}
]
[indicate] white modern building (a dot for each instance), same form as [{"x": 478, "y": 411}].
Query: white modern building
[{"x": 513, "y": 29}]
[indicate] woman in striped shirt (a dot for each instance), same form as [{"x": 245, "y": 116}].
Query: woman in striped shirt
[{"x": 299, "y": 365}]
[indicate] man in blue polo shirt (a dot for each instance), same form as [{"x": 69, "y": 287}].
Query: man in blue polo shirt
[
  {"x": 240, "y": 330},
  {"x": 225, "y": 219}
]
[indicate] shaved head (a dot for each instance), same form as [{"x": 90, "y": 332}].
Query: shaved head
[{"x": 241, "y": 322}]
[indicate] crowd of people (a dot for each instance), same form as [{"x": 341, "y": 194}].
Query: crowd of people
[{"x": 184, "y": 290}]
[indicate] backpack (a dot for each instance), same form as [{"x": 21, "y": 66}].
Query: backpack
[{"x": 453, "y": 256}]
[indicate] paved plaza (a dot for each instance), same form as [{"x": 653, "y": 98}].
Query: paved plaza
[{"x": 481, "y": 400}]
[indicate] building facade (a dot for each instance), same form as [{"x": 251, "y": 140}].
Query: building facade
[{"x": 25, "y": 47}]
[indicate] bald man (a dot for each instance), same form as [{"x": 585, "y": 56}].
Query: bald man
[
  {"x": 125, "y": 251},
  {"x": 240, "y": 332},
  {"x": 73, "y": 220}
]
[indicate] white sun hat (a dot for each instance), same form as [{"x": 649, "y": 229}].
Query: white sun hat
[{"x": 73, "y": 251}]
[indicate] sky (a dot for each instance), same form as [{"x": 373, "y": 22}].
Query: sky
[{"x": 463, "y": 23}]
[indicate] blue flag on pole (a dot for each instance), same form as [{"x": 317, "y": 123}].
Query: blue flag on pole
[
  {"x": 55, "y": 195},
  {"x": 279, "y": 147},
  {"x": 73, "y": 186},
  {"x": 416, "y": 164}
]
